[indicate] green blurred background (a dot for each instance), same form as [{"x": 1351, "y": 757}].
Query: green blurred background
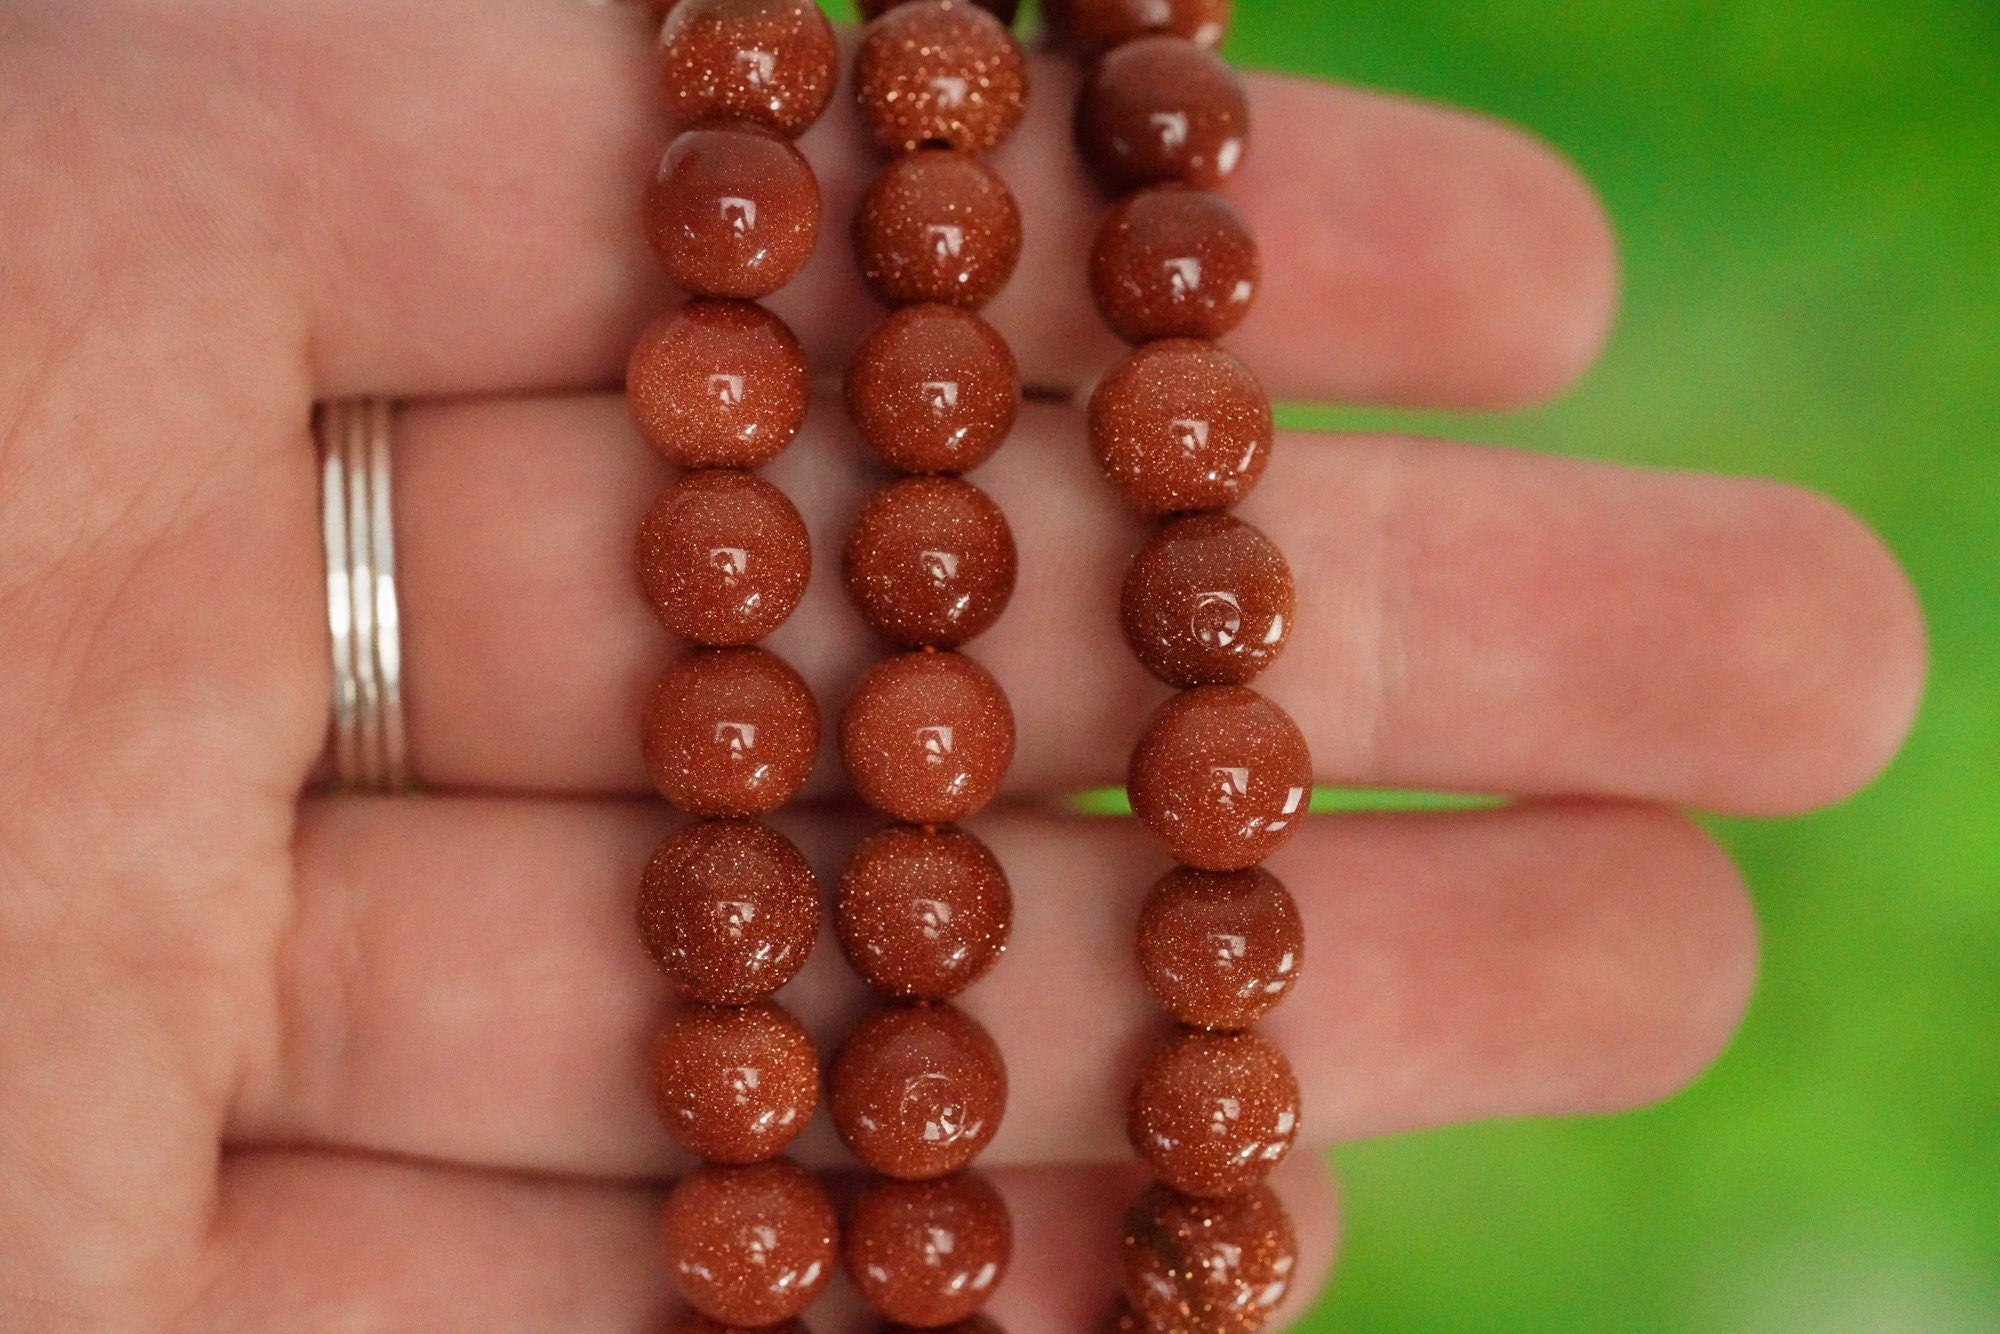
[{"x": 1808, "y": 196}]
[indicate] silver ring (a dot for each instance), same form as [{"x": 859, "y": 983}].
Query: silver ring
[{"x": 368, "y": 748}]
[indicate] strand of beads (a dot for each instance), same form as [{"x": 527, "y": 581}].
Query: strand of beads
[
  {"x": 1221, "y": 775},
  {"x": 728, "y": 906},
  {"x": 919, "y": 1088}
]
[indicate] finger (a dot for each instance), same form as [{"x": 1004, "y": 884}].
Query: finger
[
  {"x": 330, "y": 1241},
  {"x": 469, "y": 222},
  {"x": 1472, "y": 619},
  {"x": 465, "y": 981}
]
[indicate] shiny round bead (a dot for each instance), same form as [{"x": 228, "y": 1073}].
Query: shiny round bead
[
  {"x": 936, "y": 225},
  {"x": 770, "y": 61},
  {"x": 1181, "y": 425},
  {"x": 940, "y": 72},
  {"x": 928, "y": 1253},
  {"x": 724, "y": 557},
  {"x": 1213, "y": 1113},
  {"x": 694, "y": 1322},
  {"x": 718, "y": 384},
  {"x": 1194, "y": 1266},
  {"x": 917, "y": 1093},
  {"x": 729, "y": 909},
  {"x": 977, "y": 1324},
  {"x": 1163, "y": 109},
  {"x": 731, "y": 731},
  {"x": 930, "y": 561},
  {"x": 1099, "y": 25},
  {"x": 1207, "y": 601},
  {"x": 927, "y": 737},
  {"x": 750, "y": 1245},
  {"x": 923, "y": 913},
  {"x": 934, "y": 389},
  {"x": 1221, "y": 776},
  {"x": 733, "y": 210},
  {"x": 735, "y": 1084},
  {"x": 1004, "y": 10},
  {"x": 1173, "y": 262},
  {"x": 1220, "y": 949}
]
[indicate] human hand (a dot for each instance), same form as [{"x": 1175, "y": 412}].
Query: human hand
[{"x": 271, "y": 1059}]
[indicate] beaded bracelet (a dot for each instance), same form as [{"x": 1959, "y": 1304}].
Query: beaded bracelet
[
  {"x": 728, "y": 906},
  {"x": 1220, "y": 774}
]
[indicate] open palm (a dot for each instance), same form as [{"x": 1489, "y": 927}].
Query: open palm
[{"x": 278, "y": 1060}]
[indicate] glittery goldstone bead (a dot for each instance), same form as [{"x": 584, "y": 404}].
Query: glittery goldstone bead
[
  {"x": 928, "y": 1253},
  {"x": 736, "y": 1084},
  {"x": 730, "y": 731},
  {"x": 1098, "y": 25},
  {"x": 718, "y": 384},
  {"x": 927, "y": 737},
  {"x": 733, "y": 210},
  {"x": 937, "y": 225},
  {"x": 1207, "y": 601},
  {"x": 729, "y": 909},
  {"x": 694, "y": 1322},
  {"x": 1213, "y": 1113},
  {"x": 940, "y": 72},
  {"x": 770, "y": 61},
  {"x": 1180, "y": 426},
  {"x": 724, "y": 557},
  {"x": 930, "y": 561},
  {"x": 978, "y": 1324},
  {"x": 1174, "y": 262},
  {"x": 1222, "y": 776},
  {"x": 933, "y": 388},
  {"x": 1163, "y": 109},
  {"x": 923, "y": 913},
  {"x": 1197, "y": 1266},
  {"x": 1004, "y": 10},
  {"x": 1220, "y": 949},
  {"x": 750, "y": 1245},
  {"x": 917, "y": 1092}
]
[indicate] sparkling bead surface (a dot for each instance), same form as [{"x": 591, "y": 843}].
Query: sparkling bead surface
[
  {"x": 1213, "y": 1113},
  {"x": 930, "y": 561},
  {"x": 1181, "y": 425},
  {"x": 927, "y": 737},
  {"x": 735, "y": 1084},
  {"x": 1174, "y": 262},
  {"x": 940, "y": 72},
  {"x": 694, "y": 1322},
  {"x": 724, "y": 557},
  {"x": 978, "y": 1324},
  {"x": 1098, "y": 25},
  {"x": 1221, "y": 776},
  {"x": 1207, "y": 601},
  {"x": 718, "y": 384},
  {"x": 1195, "y": 1266},
  {"x": 928, "y": 1252},
  {"x": 733, "y": 210},
  {"x": 774, "y": 62},
  {"x": 934, "y": 389},
  {"x": 917, "y": 1092},
  {"x": 937, "y": 225},
  {"x": 1220, "y": 949},
  {"x": 923, "y": 913},
  {"x": 1004, "y": 10},
  {"x": 729, "y": 909},
  {"x": 1163, "y": 109},
  {"x": 731, "y": 731},
  {"x": 750, "y": 1245}
]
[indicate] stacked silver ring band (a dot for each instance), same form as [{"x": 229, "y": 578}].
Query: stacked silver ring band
[{"x": 368, "y": 747}]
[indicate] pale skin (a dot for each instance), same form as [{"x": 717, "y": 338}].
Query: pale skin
[{"x": 272, "y": 1059}]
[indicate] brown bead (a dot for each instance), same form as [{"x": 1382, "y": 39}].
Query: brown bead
[
  {"x": 718, "y": 384},
  {"x": 1163, "y": 109},
  {"x": 927, "y": 737},
  {"x": 940, "y": 72},
  {"x": 1099, "y": 25},
  {"x": 729, "y": 909},
  {"x": 917, "y": 1092},
  {"x": 694, "y": 1322},
  {"x": 928, "y": 1253},
  {"x": 978, "y": 1324},
  {"x": 936, "y": 225},
  {"x": 1208, "y": 1266},
  {"x": 731, "y": 731},
  {"x": 1173, "y": 262},
  {"x": 1207, "y": 601},
  {"x": 930, "y": 561},
  {"x": 735, "y": 1084},
  {"x": 934, "y": 389},
  {"x": 724, "y": 557},
  {"x": 1221, "y": 776},
  {"x": 1004, "y": 10},
  {"x": 1181, "y": 425},
  {"x": 733, "y": 210},
  {"x": 770, "y": 61},
  {"x": 1213, "y": 1113},
  {"x": 1220, "y": 949},
  {"x": 750, "y": 1245},
  {"x": 923, "y": 913}
]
